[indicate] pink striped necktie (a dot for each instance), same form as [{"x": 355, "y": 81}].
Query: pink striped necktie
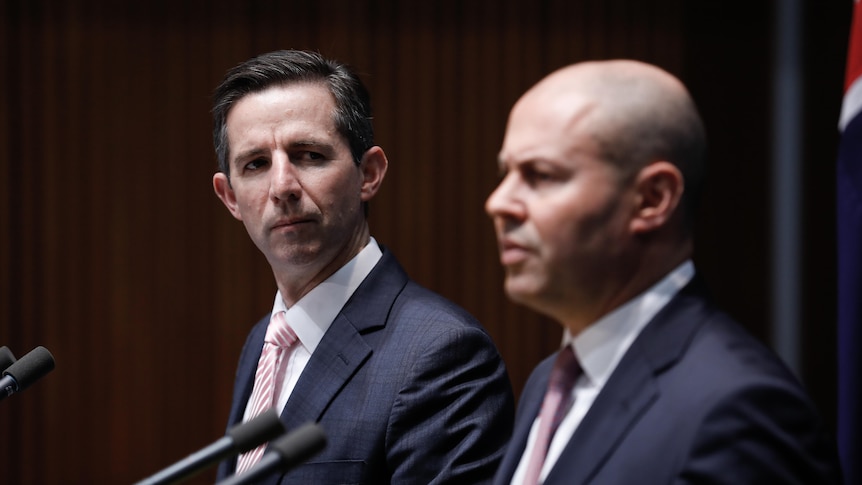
[
  {"x": 279, "y": 337},
  {"x": 556, "y": 404}
]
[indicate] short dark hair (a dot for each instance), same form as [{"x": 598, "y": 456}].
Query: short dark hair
[{"x": 352, "y": 100}]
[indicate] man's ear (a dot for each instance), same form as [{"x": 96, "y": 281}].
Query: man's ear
[
  {"x": 659, "y": 187},
  {"x": 373, "y": 167},
  {"x": 221, "y": 185}
]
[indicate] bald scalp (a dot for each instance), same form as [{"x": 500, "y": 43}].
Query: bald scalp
[
  {"x": 636, "y": 113},
  {"x": 639, "y": 113}
]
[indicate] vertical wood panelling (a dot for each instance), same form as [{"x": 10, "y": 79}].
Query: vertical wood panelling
[{"x": 116, "y": 255}]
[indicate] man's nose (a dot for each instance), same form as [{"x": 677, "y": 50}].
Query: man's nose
[
  {"x": 503, "y": 200},
  {"x": 284, "y": 184}
]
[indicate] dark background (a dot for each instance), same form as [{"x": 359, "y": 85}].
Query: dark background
[{"x": 116, "y": 255}]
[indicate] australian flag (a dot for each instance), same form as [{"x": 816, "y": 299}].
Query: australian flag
[{"x": 849, "y": 194}]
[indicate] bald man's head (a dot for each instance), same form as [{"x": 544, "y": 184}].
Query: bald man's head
[{"x": 634, "y": 112}]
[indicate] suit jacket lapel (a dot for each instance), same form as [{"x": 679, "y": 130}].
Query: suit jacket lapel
[
  {"x": 528, "y": 408},
  {"x": 343, "y": 350},
  {"x": 246, "y": 369},
  {"x": 340, "y": 353},
  {"x": 632, "y": 388},
  {"x": 243, "y": 383},
  {"x": 625, "y": 397}
]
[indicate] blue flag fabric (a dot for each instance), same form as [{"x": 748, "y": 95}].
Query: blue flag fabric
[{"x": 849, "y": 212}]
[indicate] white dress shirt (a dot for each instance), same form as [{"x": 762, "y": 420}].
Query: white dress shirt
[
  {"x": 599, "y": 348},
  {"x": 312, "y": 316}
]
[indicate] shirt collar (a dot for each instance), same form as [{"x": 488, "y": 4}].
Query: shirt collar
[
  {"x": 601, "y": 346},
  {"x": 312, "y": 315}
]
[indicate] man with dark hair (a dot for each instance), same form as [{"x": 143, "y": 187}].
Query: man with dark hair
[
  {"x": 601, "y": 163},
  {"x": 407, "y": 386}
]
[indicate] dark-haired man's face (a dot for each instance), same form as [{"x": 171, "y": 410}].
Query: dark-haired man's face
[{"x": 293, "y": 182}]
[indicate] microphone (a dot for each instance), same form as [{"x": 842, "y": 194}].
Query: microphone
[
  {"x": 7, "y": 358},
  {"x": 25, "y": 371},
  {"x": 283, "y": 454},
  {"x": 239, "y": 439}
]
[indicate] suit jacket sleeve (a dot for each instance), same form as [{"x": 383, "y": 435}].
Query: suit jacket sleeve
[
  {"x": 451, "y": 422},
  {"x": 761, "y": 434}
]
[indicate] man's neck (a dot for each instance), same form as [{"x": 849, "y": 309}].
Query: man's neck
[
  {"x": 294, "y": 286},
  {"x": 651, "y": 267}
]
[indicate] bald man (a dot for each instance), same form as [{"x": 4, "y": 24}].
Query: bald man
[{"x": 601, "y": 164}]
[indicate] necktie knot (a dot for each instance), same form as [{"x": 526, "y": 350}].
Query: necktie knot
[
  {"x": 278, "y": 332},
  {"x": 565, "y": 372}
]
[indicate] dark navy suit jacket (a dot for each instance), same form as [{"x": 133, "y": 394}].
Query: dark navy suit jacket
[
  {"x": 408, "y": 388},
  {"x": 695, "y": 399}
]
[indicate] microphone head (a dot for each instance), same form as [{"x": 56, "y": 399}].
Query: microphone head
[
  {"x": 31, "y": 367},
  {"x": 254, "y": 432},
  {"x": 299, "y": 445},
  {"x": 7, "y": 358}
]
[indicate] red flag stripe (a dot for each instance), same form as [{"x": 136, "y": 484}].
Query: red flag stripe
[
  {"x": 852, "y": 104},
  {"x": 854, "y": 53}
]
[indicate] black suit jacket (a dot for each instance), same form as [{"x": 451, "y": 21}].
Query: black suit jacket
[
  {"x": 695, "y": 399},
  {"x": 408, "y": 387}
]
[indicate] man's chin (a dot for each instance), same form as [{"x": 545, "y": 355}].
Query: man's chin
[
  {"x": 295, "y": 256},
  {"x": 521, "y": 290}
]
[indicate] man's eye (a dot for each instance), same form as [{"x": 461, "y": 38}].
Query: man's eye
[
  {"x": 306, "y": 157},
  {"x": 533, "y": 175},
  {"x": 255, "y": 164}
]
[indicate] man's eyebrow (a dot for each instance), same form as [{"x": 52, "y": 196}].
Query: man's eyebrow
[
  {"x": 252, "y": 153},
  {"x": 307, "y": 143},
  {"x": 311, "y": 143}
]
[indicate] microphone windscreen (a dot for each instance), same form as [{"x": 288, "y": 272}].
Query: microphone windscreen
[
  {"x": 264, "y": 427},
  {"x": 7, "y": 358},
  {"x": 298, "y": 446},
  {"x": 31, "y": 367}
]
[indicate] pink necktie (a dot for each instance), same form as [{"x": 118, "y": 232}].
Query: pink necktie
[
  {"x": 279, "y": 337},
  {"x": 555, "y": 406}
]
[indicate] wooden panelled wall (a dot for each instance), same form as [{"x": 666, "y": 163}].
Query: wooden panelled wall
[{"x": 116, "y": 255}]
